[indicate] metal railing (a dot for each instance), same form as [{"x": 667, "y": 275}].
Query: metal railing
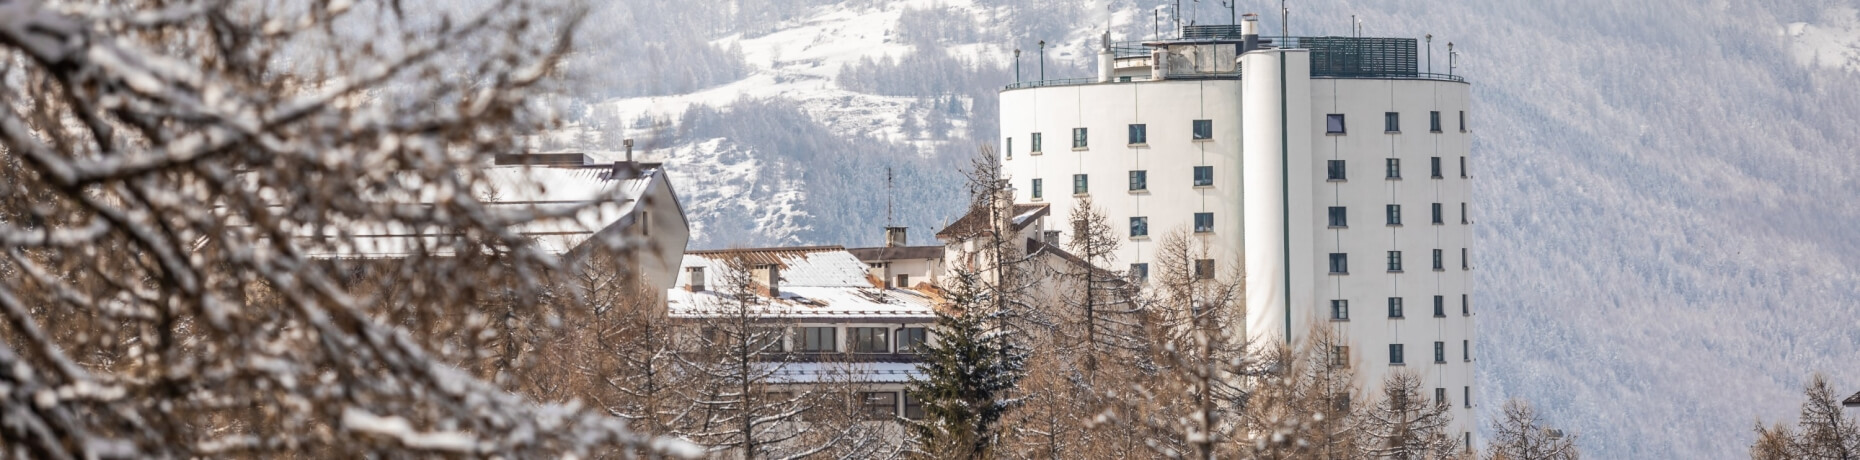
[{"x": 1053, "y": 82}]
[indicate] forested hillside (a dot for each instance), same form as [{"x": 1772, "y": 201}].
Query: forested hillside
[{"x": 1666, "y": 215}]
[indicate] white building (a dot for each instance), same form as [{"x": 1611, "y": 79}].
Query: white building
[{"x": 1333, "y": 168}]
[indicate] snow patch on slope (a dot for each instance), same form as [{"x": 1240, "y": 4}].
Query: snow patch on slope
[
  {"x": 1833, "y": 42},
  {"x": 730, "y": 190}
]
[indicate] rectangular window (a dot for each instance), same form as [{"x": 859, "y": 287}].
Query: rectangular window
[
  {"x": 1462, "y": 121},
  {"x": 1339, "y": 217},
  {"x": 1139, "y": 134},
  {"x": 1434, "y": 164},
  {"x": 1339, "y": 309},
  {"x": 912, "y": 339},
  {"x": 1139, "y": 227},
  {"x": 879, "y": 405},
  {"x": 1462, "y": 167},
  {"x": 1080, "y": 185},
  {"x": 1333, "y": 123},
  {"x": 1395, "y": 356},
  {"x": 1440, "y": 352},
  {"x": 1334, "y": 170},
  {"x": 817, "y": 339},
  {"x": 1395, "y": 307},
  {"x": 767, "y": 339},
  {"x": 1010, "y": 148},
  {"x": 1204, "y": 130},
  {"x": 1139, "y": 180},
  {"x": 1204, "y": 176},
  {"x": 1204, "y": 269},
  {"x": 1465, "y": 305},
  {"x": 870, "y": 339},
  {"x": 1465, "y": 264},
  {"x": 1440, "y": 396},
  {"x": 1394, "y": 261},
  {"x": 1463, "y": 219},
  {"x": 1433, "y": 121},
  {"x": 1036, "y": 143},
  {"x": 1438, "y": 214},
  {"x": 1340, "y": 358},
  {"x": 1391, "y": 122},
  {"x": 1394, "y": 214},
  {"x": 1140, "y": 271},
  {"x": 1466, "y": 350},
  {"x": 904, "y": 282},
  {"x": 1078, "y": 138},
  {"x": 1394, "y": 166},
  {"x": 1468, "y": 399},
  {"x": 1339, "y": 263},
  {"x": 1204, "y": 222},
  {"x": 1439, "y": 264},
  {"x": 913, "y": 407},
  {"x": 1036, "y": 189}
]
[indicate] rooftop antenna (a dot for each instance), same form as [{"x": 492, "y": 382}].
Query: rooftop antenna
[
  {"x": 1285, "y": 24},
  {"x": 1232, "y": 19},
  {"x": 1450, "y": 55},
  {"x": 888, "y": 193},
  {"x": 1430, "y": 53},
  {"x": 1156, "y": 24}
]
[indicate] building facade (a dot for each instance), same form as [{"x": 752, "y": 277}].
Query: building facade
[{"x": 1334, "y": 169}]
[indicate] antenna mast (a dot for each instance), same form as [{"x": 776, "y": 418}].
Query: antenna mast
[{"x": 888, "y": 222}]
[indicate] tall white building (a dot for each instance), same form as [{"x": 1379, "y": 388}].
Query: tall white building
[{"x": 1333, "y": 168}]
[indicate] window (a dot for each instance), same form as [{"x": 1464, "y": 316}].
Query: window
[
  {"x": 1339, "y": 263},
  {"x": 1010, "y": 148},
  {"x": 1438, "y": 263},
  {"x": 1078, "y": 138},
  {"x": 1204, "y": 269},
  {"x": 1462, "y": 167},
  {"x": 1080, "y": 185},
  {"x": 1333, "y": 123},
  {"x": 645, "y": 223},
  {"x": 1465, "y": 305},
  {"x": 1433, "y": 121},
  {"x": 1395, "y": 307},
  {"x": 1391, "y": 122},
  {"x": 1394, "y": 214},
  {"x": 1036, "y": 144},
  {"x": 1440, "y": 352},
  {"x": 1140, "y": 271},
  {"x": 1340, "y": 358},
  {"x": 1468, "y": 399},
  {"x": 1204, "y": 222},
  {"x": 1463, "y": 219},
  {"x": 766, "y": 339},
  {"x": 1394, "y": 165},
  {"x": 1204, "y": 176},
  {"x": 1440, "y": 397},
  {"x": 1204, "y": 130},
  {"x": 1395, "y": 261},
  {"x": 1036, "y": 189},
  {"x": 1334, "y": 170},
  {"x": 904, "y": 282},
  {"x": 878, "y": 405},
  {"x": 1395, "y": 356},
  {"x": 1466, "y": 350},
  {"x": 870, "y": 339},
  {"x": 1437, "y": 214},
  {"x": 1468, "y": 434},
  {"x": 816, "y": 339},
  {"x": 1464, "y": 263},
  {"x": 913, "y": 407},
  {"x": 912, "y": 339},
  {"x": 1139, "y": 135},
  {"x": 1462, "y": 121},
  {"x": 1434, "y": 165},
  {"x": 1340, "y": 309},
  {"x": 1139, "y": 180},
  {"x": 1339, "y": 218},
  {"x": 1139, "y": 227}
]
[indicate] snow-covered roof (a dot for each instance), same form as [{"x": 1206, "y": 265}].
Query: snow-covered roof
[
  {"x": 824, "y": 282},
  {"x": 843, "y": 371},
  {"x": 976, "y": 221}
]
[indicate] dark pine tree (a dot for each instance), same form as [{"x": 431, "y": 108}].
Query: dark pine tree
[{"x": 968, "y": 373}]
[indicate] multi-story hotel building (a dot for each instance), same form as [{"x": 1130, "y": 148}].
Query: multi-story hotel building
[{"x": 1332, "y": 169}]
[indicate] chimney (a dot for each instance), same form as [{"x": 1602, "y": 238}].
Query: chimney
[
  {"x": 767, "y": 278},
  {"x": 695, "y": 277},
  {"x": 1107, "y": 59},
  {"x": 1249, "y": 32},
  {"x": 894, "y": 237}
]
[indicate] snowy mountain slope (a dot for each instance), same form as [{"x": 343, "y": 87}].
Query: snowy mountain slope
[{"x": 1666, "y": 217}]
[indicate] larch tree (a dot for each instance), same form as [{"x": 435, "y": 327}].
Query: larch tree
[
  {"x": 1404, "y": 424},
  {"x": 1521, "y": 436},
  {"x": 1822, "y": 431},
  {"x": 739, "y": 353}
]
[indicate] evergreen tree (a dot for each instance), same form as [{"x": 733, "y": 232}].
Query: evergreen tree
[{"x": 968, "y": 373}]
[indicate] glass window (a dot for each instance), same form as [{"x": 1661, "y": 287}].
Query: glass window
[
  {"x": 1433, "y": 121},
  {"x": 870, "y": 339},
  {"x": 1139, "y": 134},
  {"x": 1465, "y": 305},
  {"x": 1036, "y": 189},
  {"x": 1395, "y": 356},
  {"x": 1434, "y": 165},
  {"x": 1079, "y": 184},
  {"x": 879, "y": 405},
  {"x": 1391, "y": 122},
  {"x": 1333, "y": 123},
  {"x": 1440, "y": 396},
  {"x": 1204, "y": 176},
  {"x": 1204, "y": 269},
  {"x": 767, "y": 339},
  {"x": 1204, "y": 222},
  {"x": 1462, "y": 121},
  {"x": 1339, "y": 309},
  {"x": 1464, "y": 263},
  {"x": 1139, "y": 227},
  {"x": 1394, "y": 214},
  {"x": 913, "y": 407},
  {"x": 1394, "y": 261},
  {"x": 1437, "y": 214},
  {"x": 1010, "y": 148},
  {"x": 1438, "y": 263},
  {"x": 1462, "y": 167},
  {"x": 1394, "y": 165},
  {"x": 1468, "y": 399},
  {"x": 912, "y": 339},
  {"x": 1340, "y": 358},
  {"x": 1140, "y": 271},
  {"x": 1139, "y": 180},
  {"x": 1466, "y": 350},
  {"x": 1395, "y": 307},
  {"x": 1036, "y": 143},
  {"x": 1339, "y": 262},
  {"x": 816, "y": 339},
  {"x": 1078, "y": 138},
  {"x": 1333, "y": 170},
  {"x": 1440, "y": 352},
  {"x": 1204, "y": 129},
  {"x": 1339, "y": 217},
  {"x": 904, "y": 281},
  {"x": 1463, "y": 219}
]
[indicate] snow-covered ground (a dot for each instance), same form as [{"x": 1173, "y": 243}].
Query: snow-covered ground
[{"x": 1833, "y": 41}]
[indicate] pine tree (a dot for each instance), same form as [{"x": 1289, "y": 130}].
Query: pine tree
[{"x": 968, "y": 373}]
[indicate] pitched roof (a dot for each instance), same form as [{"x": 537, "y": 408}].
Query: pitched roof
[
  {"x": 824, "y": 282},
  {"x": 778, "y": 257},
  {"x": 881, "y": 254},
  {"x": 1852, "y": 401},
  {"x": 976, "y": 221}
]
